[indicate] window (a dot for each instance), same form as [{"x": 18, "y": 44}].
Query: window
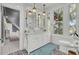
[
  {"x": 58, "y": 21},
  {"x": 72, "y": 21}
]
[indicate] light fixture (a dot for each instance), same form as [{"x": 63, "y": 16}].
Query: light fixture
[
  {"x": 30, "y": 12},
  {"x": 44, "y": 12},
  {"x": 34, "y": 8}
]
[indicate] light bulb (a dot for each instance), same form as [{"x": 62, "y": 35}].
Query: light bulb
[
  {"x": 44, "y": 13},
  {"x": 34, "y": 9},
  {"x": 30, "y": 13}
]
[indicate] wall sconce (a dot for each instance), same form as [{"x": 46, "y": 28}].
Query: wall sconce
[
  {"x": 34, "y": 8},
  {"x": 44, "y": 12},
  {"x": 30, "y": 12}
]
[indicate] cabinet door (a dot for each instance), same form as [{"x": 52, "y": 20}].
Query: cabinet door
[
  {"x": 32, "y": 43},
  {"x": 45, "y": 38}
]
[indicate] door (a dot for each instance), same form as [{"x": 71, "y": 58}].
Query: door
[{"x": 9, "y": 30}]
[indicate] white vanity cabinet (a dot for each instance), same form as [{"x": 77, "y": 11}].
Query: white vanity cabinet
[{"x": 36, "y": 41}]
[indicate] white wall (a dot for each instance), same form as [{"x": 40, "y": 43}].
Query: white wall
[{"x": 65, "y": 20}]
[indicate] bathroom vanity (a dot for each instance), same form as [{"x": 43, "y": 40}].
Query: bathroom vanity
[{"x": 37, "y": 40}]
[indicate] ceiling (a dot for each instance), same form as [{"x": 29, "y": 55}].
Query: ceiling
[{"x": 38, "y": 5}]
